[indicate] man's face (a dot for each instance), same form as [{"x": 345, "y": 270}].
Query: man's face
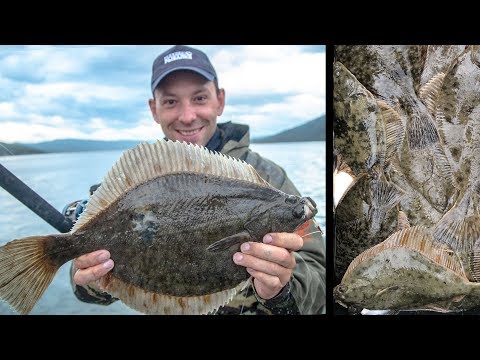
[{"x": 186, "y": 106}]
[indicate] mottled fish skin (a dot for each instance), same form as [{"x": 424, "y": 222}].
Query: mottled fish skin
[
  {"x": 362, "y": 221},
  {"x": 358, "y": 127},
  {"x": 171, "y": 215},
  {"x": 431, "y": 96},
  {"x": 382, "y": 69},
  {"x": 458, "y": 114},
  {"x": 459, "y": 228},
  {"x": 417, "y": 208},
  {"x": 387, "y": 71},
  {"x": 159, "y": 232},
  {"x": 428, "y": 172},
  {"x": 379, "y": 70},
  {"x": 403, "y": 278},
  {"x": 440, "y": 59}
]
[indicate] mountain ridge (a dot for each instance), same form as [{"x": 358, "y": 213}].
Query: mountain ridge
[{"x": 313, "y": 130}]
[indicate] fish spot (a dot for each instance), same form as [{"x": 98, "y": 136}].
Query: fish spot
[
  {"x": 455, "y": 153},
  {"x": 103, "y": 202},
  {"x": 146, "y": 225},
  {"x": 213, "y": 203},
  {"x": 181, "y": 302}
]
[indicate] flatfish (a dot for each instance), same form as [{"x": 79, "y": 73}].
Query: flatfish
[
  {"x": 358, "y": 126},
  {"x": 409, "y": 271},
  {"x": 171, "y": 215},
  {"x": 430, "y": 110},
  {"x": 365, "y": 216}
]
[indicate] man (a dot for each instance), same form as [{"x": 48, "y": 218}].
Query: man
[{"x": 289, "y": 275}]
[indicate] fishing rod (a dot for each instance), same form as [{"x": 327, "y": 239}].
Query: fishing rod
[{"x": 33, "y": 201}]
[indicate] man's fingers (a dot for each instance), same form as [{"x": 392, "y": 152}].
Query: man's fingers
[
  {"x": 289, "y": 241},
  {"x": 269, "y": 253},
  {"x": 91, "y": 259},
  {"x": 263, "y": 266},
  {"x": 267, "y": 286},
  {"x": 84, "y": 276}
]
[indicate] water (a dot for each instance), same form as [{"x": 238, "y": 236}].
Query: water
[{"x": 63, "y": 177}]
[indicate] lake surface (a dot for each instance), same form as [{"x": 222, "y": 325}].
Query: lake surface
[{"x": 63, "y": 177}]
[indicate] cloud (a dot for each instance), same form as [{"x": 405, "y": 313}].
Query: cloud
[
  {"x": 256, "y": 69},
  {"x": 7, "y": 110},
  {"x": 101, "y": 92},
  {"x": 49, "y": 63},
  {"x": 268, "y": 118},
  {"x": 95, "y": 129},
  {"x": 80, "y": 92},
  {"x": 31, "y": 132}
]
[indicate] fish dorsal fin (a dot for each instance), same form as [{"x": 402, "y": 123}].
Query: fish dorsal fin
[
  {"x": 394, "y": 128},
  {"x": 149, "y": 161},
  {"x": 429, "y": 92},
  {"x": 402, "y": 220},
  {"x": 418, "y": 239}
]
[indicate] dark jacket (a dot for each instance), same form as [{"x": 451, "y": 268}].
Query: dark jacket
[{"x": 305, "y": 294}]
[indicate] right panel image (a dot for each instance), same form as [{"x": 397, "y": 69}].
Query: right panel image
[{"x": 406, "y": 179}]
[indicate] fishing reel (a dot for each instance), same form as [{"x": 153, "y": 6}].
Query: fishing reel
[{"x": 74, "y": 209}]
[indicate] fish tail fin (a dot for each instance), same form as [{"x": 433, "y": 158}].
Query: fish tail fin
[
  {"x": 422, "y": 132},
  {"x": 384, "y": 196},
  {"x": 457, "y": 230},
  {"x": 25, "y": 271}
]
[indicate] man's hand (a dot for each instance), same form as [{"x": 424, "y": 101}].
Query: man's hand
[
  {"x": 92, "y": 266},
  {"x": 271, "y": 262}
]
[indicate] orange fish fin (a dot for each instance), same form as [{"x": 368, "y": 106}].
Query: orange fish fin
[{"x": 307, "y": 229}]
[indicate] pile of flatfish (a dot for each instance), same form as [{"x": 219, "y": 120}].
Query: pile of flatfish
[
  {"x": 171, "y": 215},
  {"x": 407, "y": 177}
]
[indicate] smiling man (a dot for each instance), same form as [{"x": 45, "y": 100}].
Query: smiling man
[
  {"x": 289, "y": 274},
  {"x": 187, "y": 99}
]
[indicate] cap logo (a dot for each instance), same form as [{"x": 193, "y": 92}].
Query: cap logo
[{"x": 178, "y": 55}]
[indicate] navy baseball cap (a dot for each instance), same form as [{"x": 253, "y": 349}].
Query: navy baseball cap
[{"x": 181, "y": 57}]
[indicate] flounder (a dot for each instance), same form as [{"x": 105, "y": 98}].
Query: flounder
[
  {"x": 410, "y": 271},
  {"x": 428, "y": 103},
  {"x": 365, "y": 216},
  {"x": 171, "y": 215}
]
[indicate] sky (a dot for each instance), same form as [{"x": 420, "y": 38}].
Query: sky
[{"x": 97, "y": 92}]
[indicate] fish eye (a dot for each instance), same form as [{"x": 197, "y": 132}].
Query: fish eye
[{"x": 291, "y": 199}]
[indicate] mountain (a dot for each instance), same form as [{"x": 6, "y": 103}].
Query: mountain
[
  {"x": 17, "y": 149},
  {"x": 313, "y": 130},
  {"x": 74, "y": 145}
]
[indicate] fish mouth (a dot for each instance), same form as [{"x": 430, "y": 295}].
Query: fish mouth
[
  {"x": 339, "y": 294},
  {"x": 309, "y": 208}
]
